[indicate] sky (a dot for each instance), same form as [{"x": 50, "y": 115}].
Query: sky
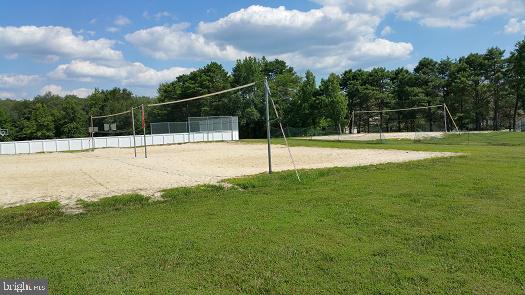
[{"x": 73, "y": 47}]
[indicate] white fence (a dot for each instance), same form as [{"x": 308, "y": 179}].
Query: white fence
[{"x": 78, "y": 144}]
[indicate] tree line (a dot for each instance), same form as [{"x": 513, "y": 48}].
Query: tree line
[{"x": 483, "y": 91}]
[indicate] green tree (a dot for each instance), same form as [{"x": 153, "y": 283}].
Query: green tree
[
  {"x": 516, "y": 78},
  {"x": 6, "y": 123},
  {"x": 477, "y": 83},
  {"x": 333, "y": 102},
  {"x": 430, "y": 84},
  {"x": 495, "y": 68},
  {"x": 379, "y": 91},
  {"x": 208, "y": 79},
  {"x": 354, "y": 85},
  {"x": 301, "y": 110},
  {"x": 249, "y": 103},
  {"x": 73, "y": 120},
  {"x": 404, "y": 92},
  {"x": 39, "y": 123}
]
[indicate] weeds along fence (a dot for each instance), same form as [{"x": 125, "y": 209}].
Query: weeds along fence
[{"x": 226, "y": 132}]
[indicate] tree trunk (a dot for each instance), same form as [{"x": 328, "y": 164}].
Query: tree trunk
[
  {"x": 495, "y": 120},
  {"x": 477, "y": 102},
  {"x": 398, "y": 122},
  {"x": 515, "y": 117}
]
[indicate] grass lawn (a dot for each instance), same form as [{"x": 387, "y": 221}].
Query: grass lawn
[{"x": 448, "y": 225}]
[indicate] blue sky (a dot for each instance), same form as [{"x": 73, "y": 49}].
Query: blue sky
[{"x": 76, "y": 46}]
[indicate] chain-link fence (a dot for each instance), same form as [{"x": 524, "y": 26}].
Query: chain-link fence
[
  {"x": 207, "y": 124},
  {"x": 169, "y": 127},
  {"x": 196, "y": 124},
  {"x": 520, "y": 125}
]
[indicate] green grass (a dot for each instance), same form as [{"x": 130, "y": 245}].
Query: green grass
[{"x": 448, "y": 225}]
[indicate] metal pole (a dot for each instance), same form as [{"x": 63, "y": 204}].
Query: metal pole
[
  {"x": 268, "y": 136},
  {"x": 445, "y": 116},
  {"x": 144, "y": 131},
  {"x": 133, "y": 125},
  {"x": 92, "y": 136}
]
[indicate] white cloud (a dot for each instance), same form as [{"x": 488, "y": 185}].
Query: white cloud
[
  {"x": 465, "y": 20},
  {"x": 158, "y": 16},
  {"x": 112, "y": 29},
  {"x": 163, "y": 42},
  {"x": 434, "y": 13},
  {"x": 93, "y": 21},
  {"x": 11, "y": 56},
  {"x": 339, "y": 58},
  {"x": 17, "y": 81},
  {"x": 121, "y": 21},
  {"x": 387, "y": 30},
  {"x": 58, "y": 90},
  {"x": 515, "y": 26},
  {"x": 88, "y": 32},
  {"x": 134, "y": 74},
  {"x": 44, "y": 43},
  {"x": 279, "y": 30},
  {"x": 327, "y": 38},
  {"x": 7, "y": 94}
]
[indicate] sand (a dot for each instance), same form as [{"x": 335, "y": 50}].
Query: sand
[{"x": 67, "y": 177}]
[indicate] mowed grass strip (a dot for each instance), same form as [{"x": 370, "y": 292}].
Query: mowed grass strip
[{"x": 447, "y": 225}]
